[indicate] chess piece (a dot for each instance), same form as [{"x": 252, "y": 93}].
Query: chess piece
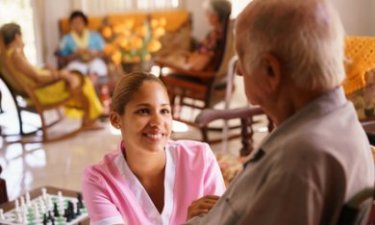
[
  {"x": 2, "y": 217},
  {"x": 36, "y": 210},
  {"x": 44, "y": 194},
  {"x": 71, "y": 209},
  {"x": 55, "y": 210},
  {"x": 17, "y": 203},
  {"x": 28, "y": 201},
  {"x": 78, "y": 212},
  {"x": 45, "y": 220},
  {"x": 80, "y": 203}
]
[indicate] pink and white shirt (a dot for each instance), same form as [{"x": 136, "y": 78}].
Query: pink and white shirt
[{"x": 114, "y": 195}]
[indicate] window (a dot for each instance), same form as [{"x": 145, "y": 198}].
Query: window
[
  {"x": 238, "y": 6},
  {"x": 100, "y": 7},
  {"x": 21, "y": 12}
]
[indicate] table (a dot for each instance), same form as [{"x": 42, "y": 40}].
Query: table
[{"x": 50, "y": 190}]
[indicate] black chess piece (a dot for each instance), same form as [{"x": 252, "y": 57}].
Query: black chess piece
[
  {"x": 69, "y": 212},
  {"x": 78, "y": 210},
  {"x": 55, "y": 210},
  {"x": 67, "y": 215},
  {"x": 80, "y": 203},
  {"x": 45, "y": 219}
]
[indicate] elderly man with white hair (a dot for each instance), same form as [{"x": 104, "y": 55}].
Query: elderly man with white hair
[{"x": 291, "y": 58}]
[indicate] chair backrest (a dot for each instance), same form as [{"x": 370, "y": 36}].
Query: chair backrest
[
  {"x": 228, "y": 52},
  {"x": 356, "y": 211},
  {"x": 221, "y": 47}
]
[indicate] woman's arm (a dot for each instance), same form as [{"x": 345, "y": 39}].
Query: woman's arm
[
  {"x": 198, "y": 61},
  {"x": 100, "y": 208},
  {"x": 26, "y": 68}
]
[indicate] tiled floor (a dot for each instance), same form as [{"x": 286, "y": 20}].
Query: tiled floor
[{"x": 61, "y": 163}]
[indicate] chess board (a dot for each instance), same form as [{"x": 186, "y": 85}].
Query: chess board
[{"x": 49, "y": 209}]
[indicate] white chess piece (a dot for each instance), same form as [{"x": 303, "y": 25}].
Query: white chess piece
[
  {"x": 42, "y": 206},
  {"x": 23, "y": 204},
  {"x": 24, "y": 217},
  {"x": 36, "y": 210},
  {"x": 17, "y": 203},
  {"x": 60, "y": 202},
  {"x": 44, "y": 194},
  {"x": 2, "y": 217},
  {"x": 28, "y": 199}
]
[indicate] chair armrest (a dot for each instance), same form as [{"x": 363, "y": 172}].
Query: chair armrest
[
  {"x": 204, "y": 75},
  {"x": 209, "y": 115}
]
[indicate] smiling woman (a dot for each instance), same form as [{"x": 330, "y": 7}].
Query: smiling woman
[{"x": 149, "y": 179}]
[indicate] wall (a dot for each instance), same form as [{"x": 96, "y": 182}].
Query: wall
[
  {"x": 53, "y": 10},
  {"x": 356, "y": 15}
]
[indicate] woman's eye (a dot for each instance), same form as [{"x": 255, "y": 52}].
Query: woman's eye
[
  {"x": 142, "y": 111},
  {"x": 165, "y": 111}
]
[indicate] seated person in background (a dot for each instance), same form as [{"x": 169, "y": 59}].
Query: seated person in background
[
  {"x": 13, "y": 59},
  {"x": 149, "y": 179},
  {"x": 83, "y": 49},
  {"x": 206, "y": 55},
  {"x": 291, "y": 57}
]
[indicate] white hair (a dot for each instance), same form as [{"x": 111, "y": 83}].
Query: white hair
[{"x": 305, "y": 35}]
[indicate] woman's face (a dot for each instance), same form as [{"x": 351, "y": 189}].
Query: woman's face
[
  {"x": 77, "y": 24},
  {"x": 147, "y": 120},
  {"x": 212, "y": 18}
]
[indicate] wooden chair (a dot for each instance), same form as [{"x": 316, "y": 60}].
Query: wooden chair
[
  {"x": 3, "y": 189},
  {"x": 25, "y": 99},
  {"x": 198, "y": 89},
  {"x": 359, "y": 209},
  {"x": 245, "y": 115}
]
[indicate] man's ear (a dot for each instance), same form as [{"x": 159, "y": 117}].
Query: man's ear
[
  {"x": 115, "y": 120},
  {"x": 273, "y": 70}
]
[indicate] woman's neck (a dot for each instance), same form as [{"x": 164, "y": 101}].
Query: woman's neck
[{"x": 146, "y": 165}]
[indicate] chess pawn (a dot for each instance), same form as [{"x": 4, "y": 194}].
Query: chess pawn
[
  {"x": 44, "y": 194},
  {"x": 17, "y": 203},
  {"x": 2, "y": 217},
  {"x": 24, "y": 217},
  {"x": 23, "y": 204},
  {"x": 80, "y": 202},
  {"x": 28, "y": 199},
  {"x": 42, "y": 205},
  {"x": 36, "y": 210}
]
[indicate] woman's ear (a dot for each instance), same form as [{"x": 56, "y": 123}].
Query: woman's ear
[{"x": 115, "y": 120}]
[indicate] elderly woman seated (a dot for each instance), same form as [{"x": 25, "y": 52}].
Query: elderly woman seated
[{"x": 62, "y": 83}]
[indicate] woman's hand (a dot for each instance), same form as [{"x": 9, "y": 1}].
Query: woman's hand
[
  {"x": 202, "y": 205},
  {"x": 73, "y": 81}
]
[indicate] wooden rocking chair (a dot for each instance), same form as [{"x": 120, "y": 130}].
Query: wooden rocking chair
[
  {"x": 25, "y": 99},
  {"x": 201, "y": 88}
]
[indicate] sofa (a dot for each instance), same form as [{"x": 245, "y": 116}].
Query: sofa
[{"x": 177, "y": 27}]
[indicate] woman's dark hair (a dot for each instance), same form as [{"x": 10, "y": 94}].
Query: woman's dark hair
[
  {"x": 9, "y": 31},
  {"x": 79, "y": 14},
  {"x": 127, "y": 86},
  {"x": 222, "y": 8}
]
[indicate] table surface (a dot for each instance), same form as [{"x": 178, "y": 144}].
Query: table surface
[{"x": 50, "y": 190}]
